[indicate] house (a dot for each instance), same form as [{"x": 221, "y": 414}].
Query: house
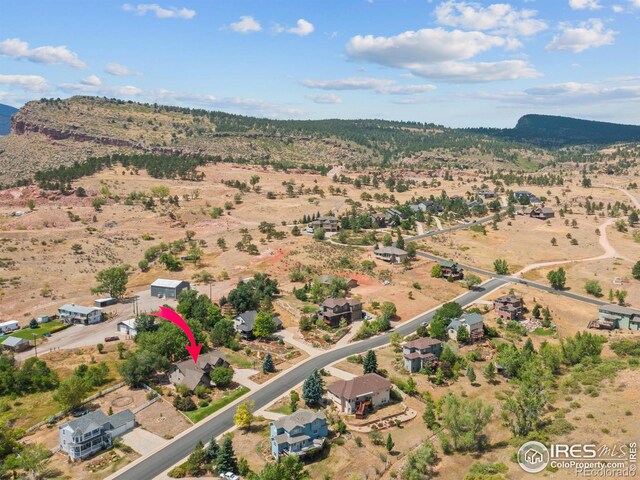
[
  {"x": 354, "y": 396},
  {"x": 77, "y": 314},
  {"x": 333, "y": 310},
  {"x": 542, "y": 213},
  {"x": 393, "y": 216},
  {"x": 616, "y": 316},
  {"x": 328, "y": 223},
  {"x": 105, "y": 302},
  {"x": 485, "y": 194},
  {"x": 192, "y": 374},
  {"x": 43, "y": 319},
  {"x": 92, "y": 432},
  {"x": 300, "y": 433},
  {"x": 508, "y": 307},
  {"x": 15, "y": 344},
  {"x": 244, "y": 323},
  {"x": 168, "y": 288},
  {"x": 128, "y": 327},
  {"x": 520, "y": 195},
  {"x": 378, "y": 220},
  {"x": 391, "y": 254},
  {"x": 420, "y": 353},
  {"x": 451, "y": 270},
  {"x": 472, "y": 322},
  {"x": 329, "y": 279}
]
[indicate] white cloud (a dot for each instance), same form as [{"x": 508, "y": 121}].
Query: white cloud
[
  {"x": 92, "y": 81},
  {"x": 437, "y": 53},
  {"x": 302, "y": 28},
  {"x": 19, "y": 49},
  {"x": 34, "y": 83},
  {"x": 497, "y": 17},
  {"x": 246, "y": 24},
  {"x": 86, "y": 86},
  {"x": 634, "y": 3},
  {"x": 617, "y": 8},
  {"x": 570, "y": 93},
  {"x": 584, "y": 4},
  {"x": 158, "y": 11},
  {"x": 589, "y": 34},
  {"x": 378, "y": 85},
  {"x": 119, "y": 70},
  {"x": 325, "y": 98}
]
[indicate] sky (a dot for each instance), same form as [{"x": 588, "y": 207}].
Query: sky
[{"x": 454, "y": 63}]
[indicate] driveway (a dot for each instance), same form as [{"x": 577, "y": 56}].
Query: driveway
[{"x": 143, "y": 441}]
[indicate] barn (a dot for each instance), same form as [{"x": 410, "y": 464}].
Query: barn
[{"x": 168, "y": 288}]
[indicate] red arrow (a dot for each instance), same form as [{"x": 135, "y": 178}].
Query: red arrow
[{"x": 176, "y": 319}]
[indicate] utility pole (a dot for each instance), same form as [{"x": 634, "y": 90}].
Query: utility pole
[
  {"x": 35, "y": 343},
  {"x": 210, "y": 292}
]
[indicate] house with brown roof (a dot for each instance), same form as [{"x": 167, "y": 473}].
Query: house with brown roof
[
  {"x": 542, "y": 213},
  {"x": 192, "y": 374},
  {"x": 333, "y": 310},
  {"x": 391, "y": 254},
  {"x": 421, "y": 353},
  {"x": 360, "y": 394},
  {"x": 508, "y": 307}
]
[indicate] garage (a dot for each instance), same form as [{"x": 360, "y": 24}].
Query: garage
[{"x": 168, "y": 288}]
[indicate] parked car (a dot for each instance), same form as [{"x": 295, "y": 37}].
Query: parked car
[
  {"x": 115, "y": 338},
  {"x": 230, "y": 476}
]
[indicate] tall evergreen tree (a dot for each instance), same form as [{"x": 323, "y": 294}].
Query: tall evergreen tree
[
  {"x": 370, "y": 362},
  {"x": 226, "y": 458},
  {"x": 312, "y": 389},
  {"x": 267, "y": 364}
]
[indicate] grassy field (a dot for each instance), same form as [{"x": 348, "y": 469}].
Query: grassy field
[
  {"x": 196, "y": 415},
  {"x": 51, "y": 327}
]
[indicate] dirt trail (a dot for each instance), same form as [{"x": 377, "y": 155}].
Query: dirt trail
[{"x": 609, "y": 252}]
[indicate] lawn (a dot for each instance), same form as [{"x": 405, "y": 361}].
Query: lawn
[
  {"x": 196, "y": 415},
  {"x": 50, "y": 327},
  {"x": 283, "y": 409},
  {"x": 239, "y": 360},
  {"x": 28, "y": 409}
]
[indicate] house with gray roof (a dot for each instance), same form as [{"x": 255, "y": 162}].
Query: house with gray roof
[
  {"x": 421, "y": 353},
  {"x": 334, "y": 310},
  {"x": 192, "y": 374},
  {"x": 244, "y": 322},
  {"x": 78, "y": 314},
  {"x": 473, "y": 322},
  {"x": 614, "y": 316},
  {"x": 391, "y": 254},
  {"x": 300, "y": 433},
  {"x": 84, "y": 436},
  {"x": 15, "y": 344}
]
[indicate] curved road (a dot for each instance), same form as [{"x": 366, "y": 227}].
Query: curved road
[{"x": 181, "y": 446}]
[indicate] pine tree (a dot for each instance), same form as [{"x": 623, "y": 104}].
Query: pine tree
[
  {"x": 211, "y": 450},
  {"x": 490, "y": 372},
  {"x": 370, "y": 362},
  {"x": 390, "y": 443},
  {"x": 312, "y": 389},
  {"x": 400, "y": 240},
  {"x": 226, "y": 458},
  {"x": 471, "y": 374},
  {"x": 267, "y": 364},
  {"x": 196, "y": 459}
]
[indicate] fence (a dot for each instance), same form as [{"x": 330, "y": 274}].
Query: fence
[{"x": 63, "y": 413}]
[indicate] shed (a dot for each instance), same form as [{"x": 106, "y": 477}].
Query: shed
[
  {"x": 16, "y": 344},
  {"x": 168, "y": 288},
  {"x": 105, "y": 302}
]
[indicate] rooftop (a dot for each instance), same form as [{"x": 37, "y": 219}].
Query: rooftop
[
  {"x": 13, "y": 341},
  {"x": 163, "y": 282},
  {"x": 298, "y": 418},
  {"x": 358, "y": 386},
  {"x": 340, "y": 302},
  {"x": 79, "y": 309},
  {"x": 390, "y": 251},
  {"x": 613, "y": 308},
  {"x": 422, "y": 343}
]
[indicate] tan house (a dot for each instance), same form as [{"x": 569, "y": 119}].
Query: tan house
[
  {"x": 359, "y": 394},
  {"x": 192, "y": 374},
  {"x": 391, "y": 254}
]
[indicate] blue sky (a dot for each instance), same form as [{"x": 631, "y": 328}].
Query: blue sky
[{"x": 449, "y": 62}]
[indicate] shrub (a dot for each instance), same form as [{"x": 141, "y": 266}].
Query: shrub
[{"x": 184, "y": 404}]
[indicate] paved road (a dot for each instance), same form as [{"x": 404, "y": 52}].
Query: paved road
[
  {"x": 156, "y": 463},
  {"x": 511, "y": 279},
  {"x": 451, "y": 229}
]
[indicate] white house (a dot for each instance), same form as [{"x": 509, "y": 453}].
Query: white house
[
  {"x": 355, "y": 396},
  {"x": 72, "y": 313}
]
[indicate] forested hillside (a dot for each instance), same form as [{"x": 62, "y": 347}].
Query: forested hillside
[{"x": 551, "y": 131}]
